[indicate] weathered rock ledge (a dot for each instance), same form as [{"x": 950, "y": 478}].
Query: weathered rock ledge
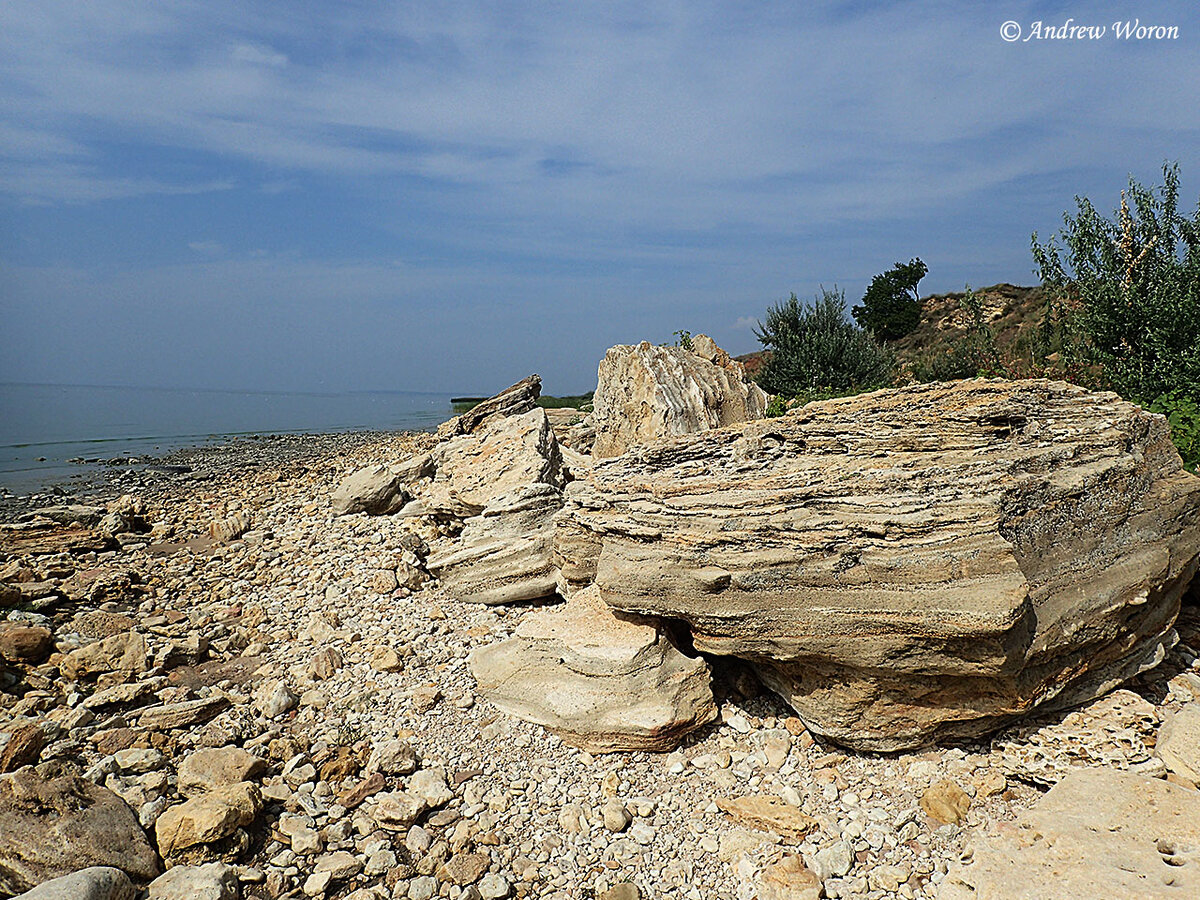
[{"x": 908, "y": 565}]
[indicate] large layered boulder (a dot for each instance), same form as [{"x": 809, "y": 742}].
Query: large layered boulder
[
  {"x": 502, "y": 476},
  {"x": 506, "y": 553},
  {"x": 646, "y": 393},
  {"x": 907, "y": 565},
  {"x": 601, "y": 680},
  {"x": 1095, "y": 834}
]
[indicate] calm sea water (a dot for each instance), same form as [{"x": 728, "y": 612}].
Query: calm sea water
[{"x": 44, "y": 426}]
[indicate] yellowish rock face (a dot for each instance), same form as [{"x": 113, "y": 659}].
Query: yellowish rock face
[{"x": 909, "y": 564}]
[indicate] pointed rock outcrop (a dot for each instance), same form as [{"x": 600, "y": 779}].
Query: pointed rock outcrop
[{"x": 646, "y": 393}]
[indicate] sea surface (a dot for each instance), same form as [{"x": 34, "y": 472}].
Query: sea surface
[{"x": 45, "y": 430}]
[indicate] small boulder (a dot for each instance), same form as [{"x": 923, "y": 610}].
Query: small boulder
[
  {"x": 122, "y": 652},
  {"x": 374, "y": 490},
  {"x": 53, "y": 825},
  {"x": 92, "y": 883},
  {"x": 600, "y": 680},
  {"x": 946, "y": 803},
  {"x": 27, "y": 645},
  {"x": 789, "y": 879},
  {"x": 229, "y": 528},
  {"x": 207, "y": 818},
  {"x": 20, "y": 744},
  {"x": 205, "y": 770},
  {"x": 211, "y": 881}
]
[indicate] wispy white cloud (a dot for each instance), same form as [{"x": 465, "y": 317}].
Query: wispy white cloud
[
  {"x": 60, "y": 181},
  {"x": 854, "y": 116},
  {"x": 208, "y": 248},
  {"x": 676, "y": 164},
  {"x": 258, "y": 55}
]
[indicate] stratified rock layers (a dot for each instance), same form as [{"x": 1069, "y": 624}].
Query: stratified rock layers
[
  {"x": 504, "y": 481},
  {"x": 907, "y": 565}
]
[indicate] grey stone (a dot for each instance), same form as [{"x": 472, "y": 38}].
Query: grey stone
[
  {"x": 94, "y": 883},
  {"x": 374, "y": 490},
  {"x": 212, "y": 881}
]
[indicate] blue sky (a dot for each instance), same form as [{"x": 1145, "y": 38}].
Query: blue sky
[{"x": 448, "y": 196}]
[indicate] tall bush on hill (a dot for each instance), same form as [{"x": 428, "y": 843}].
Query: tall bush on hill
[
  {"x": 891, "y": 307},
  {"x": 1128, "y": 289},
  {"x": 816, "y": 348}
]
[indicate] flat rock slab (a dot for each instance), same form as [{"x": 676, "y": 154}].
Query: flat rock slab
[
  {"x": 908, "y": 565},
  {"x": 44, "y": 539},
  {"x": 769, "y": 813},
  {"x": 181, "y": 714},
  {"x": 1095, "y": 834},
  {"x": 600, "y": 680}
]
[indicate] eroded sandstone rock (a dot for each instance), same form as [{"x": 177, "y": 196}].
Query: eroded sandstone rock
[
  {"x": 510, "y": 452},
  {"x": 646, "y": 393},
  {"x": 600, "y": 680},
  {"x": 910, "y": 564},
  {"x": 512, "y": 401},
  {"x": 505, "y": 554},
  {"x": 1095, "y": 834}
]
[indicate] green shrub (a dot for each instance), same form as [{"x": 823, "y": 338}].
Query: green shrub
[
  {"x": 1128, "y": 291},
  {"x": 777, "y": 406},
  {"x": 949, "y": 364},
  {"x": 816, "y": 347},
  {"x": 891, "y": 307},
  {"x": 1183, "y": 412}
]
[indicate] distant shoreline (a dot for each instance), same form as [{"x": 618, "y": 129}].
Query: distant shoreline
[
  {"x": 45, "y": 430},
  {"x": 184, "y": 469}
]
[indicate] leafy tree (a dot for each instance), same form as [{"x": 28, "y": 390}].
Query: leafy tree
[
  {"x": 891, "y": 307},
  {"x": 1128, "y": 290},
  {"x": 816, "y": 347}
]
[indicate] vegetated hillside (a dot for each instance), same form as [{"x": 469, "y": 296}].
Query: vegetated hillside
[{"x": 1011, "y": 311}]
